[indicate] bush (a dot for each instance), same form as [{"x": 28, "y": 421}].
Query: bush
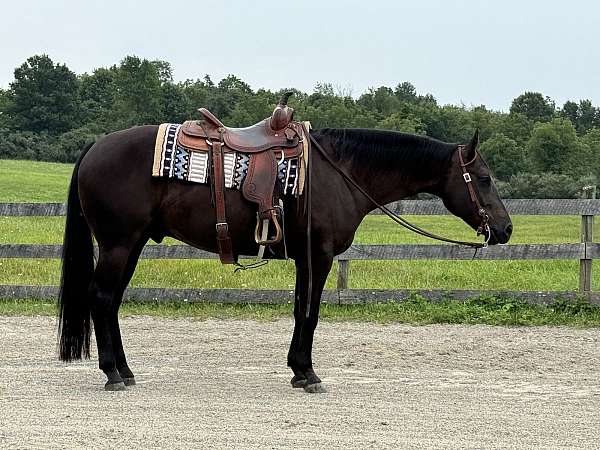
[
  {"x": 68, "y": 145},
  {"x": 24, "y": 144},
  {"x": 544, "y": 185}
]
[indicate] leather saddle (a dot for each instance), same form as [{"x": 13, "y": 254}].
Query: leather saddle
[{"x": 275, "y": 137}]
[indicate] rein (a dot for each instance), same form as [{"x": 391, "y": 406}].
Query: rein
[{"x": 483, "y": 227}]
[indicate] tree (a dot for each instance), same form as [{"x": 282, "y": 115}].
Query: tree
[
  {"x": 253, "y": 108},
  {"x": 174, "y": 103},
  {"x": 406, "y": 124},
  {"x": 515, "y": 126},
  {"x": 448, "y": 123},
  {"x": 592, "y": 141},
  {"x": 504, "y": 156},
  {"x": 588, "y": 116},
  {"x": 554, "y": 147},
  {"x": 234, "y": 86},
  {"x": 196, "y": 93},
  {"x": 534, "y": 106},
  {"x": 43, "y": 97},
  {"x": 381, "y": 101},
  {"x": 97, "y": 95},
  {"x": 583, "y": 115},
  {"x": 570, "y": 110},
  {"x": 4, "y": 107},
  {"x": 221, "y": 99},
  {"x": 138, "y": 92},
  {"x": 484, "y": 120},
  {"x": 406, "y": 92},
  {"x": 330, "y": 110}
]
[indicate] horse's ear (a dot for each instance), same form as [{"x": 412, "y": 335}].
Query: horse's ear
[
  {"x": 472, "y": 146},
  {"x": 475, "y": 141}
]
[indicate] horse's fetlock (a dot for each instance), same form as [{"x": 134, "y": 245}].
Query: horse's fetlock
[{"x": 300, "y": 361}]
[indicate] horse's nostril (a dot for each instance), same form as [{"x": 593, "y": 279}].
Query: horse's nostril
[{"x": 509, "y": 228}]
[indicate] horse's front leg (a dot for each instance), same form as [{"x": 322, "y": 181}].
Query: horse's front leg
[{"x": 300, "y": 354}]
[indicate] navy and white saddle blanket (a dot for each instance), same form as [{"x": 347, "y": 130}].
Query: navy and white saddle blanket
[{"x": 172, "y": 160}]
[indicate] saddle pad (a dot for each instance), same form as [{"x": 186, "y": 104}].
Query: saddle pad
[{"x": 172, "y": 160}]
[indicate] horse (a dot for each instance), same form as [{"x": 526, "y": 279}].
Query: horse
[{"x": 113, "y": 199}]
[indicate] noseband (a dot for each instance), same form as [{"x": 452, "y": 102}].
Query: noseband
[{"x": 484, "y": 226}]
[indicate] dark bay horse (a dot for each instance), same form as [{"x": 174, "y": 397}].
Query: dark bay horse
[{"x": 113, "y": 197}]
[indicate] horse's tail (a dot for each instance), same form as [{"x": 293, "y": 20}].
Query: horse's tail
[{"x": 77, "y": 271}]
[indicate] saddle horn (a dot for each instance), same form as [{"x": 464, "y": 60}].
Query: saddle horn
[
  {"x": 285, "y": 97},
  {"x": 283, "y": 114}
]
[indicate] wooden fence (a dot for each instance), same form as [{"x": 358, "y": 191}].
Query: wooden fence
[{"x": 585, "y": 252}]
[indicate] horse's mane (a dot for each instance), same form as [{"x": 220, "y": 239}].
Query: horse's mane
[{"x": 383, "y": 150}]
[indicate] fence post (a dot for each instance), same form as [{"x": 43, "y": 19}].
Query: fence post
[
  {"x": 342, "y": 274},
  {"x": 587, "y": 236}
]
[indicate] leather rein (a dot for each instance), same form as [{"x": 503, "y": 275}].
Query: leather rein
[{"x": 483, "y": 228}]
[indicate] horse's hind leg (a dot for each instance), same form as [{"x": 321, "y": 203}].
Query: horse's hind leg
[
  {"x": 117, "y": 342},
  {"x": 105, "y": 289},
  {"x": 120, "y": 359}
]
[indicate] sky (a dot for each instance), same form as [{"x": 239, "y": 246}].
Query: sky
[{"x": 463, "y": 52}]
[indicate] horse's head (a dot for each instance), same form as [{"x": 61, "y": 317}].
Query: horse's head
[{"x": 468, "y": 192}]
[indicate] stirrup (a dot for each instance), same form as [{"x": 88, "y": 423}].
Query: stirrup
[{"x": 264, "y": 224}]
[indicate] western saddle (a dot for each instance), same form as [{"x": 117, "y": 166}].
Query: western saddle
[{"x": 273, "y": 138}]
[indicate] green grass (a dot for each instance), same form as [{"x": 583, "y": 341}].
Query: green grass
[
  {"x": 500, "y": 275},
  {"x": 417, "y": 311},
  {"x": 33, "y": 181},
  {"x": 373, "y": 230}
]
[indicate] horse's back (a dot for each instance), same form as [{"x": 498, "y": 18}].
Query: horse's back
[{"x": 122, "y": 150}]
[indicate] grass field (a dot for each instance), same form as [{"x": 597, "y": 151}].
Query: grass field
[
  {"x": 24, "y": 181},
  {"x": 33, "y": 181}
]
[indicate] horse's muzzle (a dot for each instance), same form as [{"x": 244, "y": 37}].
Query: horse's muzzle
[{"x": 500, "y": 235}]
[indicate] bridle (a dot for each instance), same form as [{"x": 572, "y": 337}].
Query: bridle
[{"x": 484, "y": 226}]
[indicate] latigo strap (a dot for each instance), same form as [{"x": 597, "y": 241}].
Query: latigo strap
[{"x": 222, "y": 229}]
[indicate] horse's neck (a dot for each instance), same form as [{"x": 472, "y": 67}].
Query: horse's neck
[{"x": 390, "y": 184}]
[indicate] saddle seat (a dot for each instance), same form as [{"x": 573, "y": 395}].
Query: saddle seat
[
  {"x": 254, "y": 139},
  {"x": 267, "y": 141}
]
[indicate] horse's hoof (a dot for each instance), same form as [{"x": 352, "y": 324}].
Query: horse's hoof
[
  {"x": 129, "y": 381},
  {"x": 315, "y": 388},
  {"x": 298, "y": 382},
  {"x": 119, "y": 386}
]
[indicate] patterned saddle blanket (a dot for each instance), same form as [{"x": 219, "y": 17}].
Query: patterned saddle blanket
[{"x": 174, "y": 160}]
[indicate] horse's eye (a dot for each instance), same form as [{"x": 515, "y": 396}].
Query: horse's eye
[{"x": 485, "y": 179}]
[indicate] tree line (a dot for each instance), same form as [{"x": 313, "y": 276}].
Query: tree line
[{"x": 537, "y": 149}]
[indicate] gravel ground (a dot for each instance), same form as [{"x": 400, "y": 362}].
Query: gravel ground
[{"x": 224, "y": 384}]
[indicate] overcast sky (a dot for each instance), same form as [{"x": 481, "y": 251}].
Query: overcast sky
[{"x": 471, "y": 52}]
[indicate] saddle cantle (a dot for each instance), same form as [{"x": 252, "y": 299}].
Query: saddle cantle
[{"x": 273, "y": 138}]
